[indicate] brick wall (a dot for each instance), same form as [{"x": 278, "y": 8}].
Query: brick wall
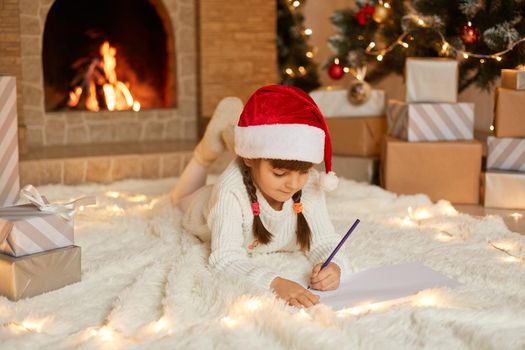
[
  {"x": 237, "y": 49},
  {"x": 10, "y": 44}
]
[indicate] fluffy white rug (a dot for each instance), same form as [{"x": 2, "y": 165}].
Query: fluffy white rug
[{"x": 146, "y": 283}]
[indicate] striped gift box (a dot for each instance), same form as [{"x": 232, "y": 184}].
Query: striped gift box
[
  {"x": 430, "y": 121},
  {"x": 9, "y": 179},
  {"x": 24, "y": 229},
  {"x": 506, "y": 153}
]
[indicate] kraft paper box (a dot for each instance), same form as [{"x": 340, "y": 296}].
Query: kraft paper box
[
  {"x": 441, "y": 170},
  {"x": 513, "y": 79},
  {"x": 430, "y": 121},
  {"x": 504, "y": 189},
  {"x": 506, "y": 153},
  {"x": 334, "y": 103},
  {"x": 431, "y": 80},
  {"x": 510, "y": 113},
  {"x": 39, "y": 273},
  {"x": 9, "y": 178},
  {"x": 356, "y": 136},
  {"x": 361, "y": 169},
  {"x": 24, "y": 229}
]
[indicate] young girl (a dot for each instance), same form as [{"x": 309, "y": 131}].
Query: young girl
[{"x": 270, "y": 198}]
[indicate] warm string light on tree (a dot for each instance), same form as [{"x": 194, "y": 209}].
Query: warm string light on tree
[
  {"x": 446, "y": 47},
  {"x": 295, "y": 55}
]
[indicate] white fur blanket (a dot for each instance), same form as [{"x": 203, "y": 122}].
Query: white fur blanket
[{"x": 146, "y": 283}]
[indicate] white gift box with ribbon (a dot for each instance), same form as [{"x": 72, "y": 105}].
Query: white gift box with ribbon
[{"x": 39, "y": 226}]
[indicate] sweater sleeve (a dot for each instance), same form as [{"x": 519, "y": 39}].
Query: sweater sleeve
[
  {"x": 228, "y": 253},
  {"x": 324, "y": 237}
]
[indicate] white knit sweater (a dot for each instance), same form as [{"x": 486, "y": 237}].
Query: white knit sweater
[{"x": 223, "y": 214}]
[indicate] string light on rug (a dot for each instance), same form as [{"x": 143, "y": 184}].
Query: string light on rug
[
  {"x": 505, "y": 247},
  {"x": 229, "y": 322},
  {"x": 29, "y": 325}
]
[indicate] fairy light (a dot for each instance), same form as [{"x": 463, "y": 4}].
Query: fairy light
[
  {"x": 346, "y": 69},
  {"x": 404, "y": 44},
  {"x": 252, "y": 305},
  {"x": 112, "y": 194},
  {"x": 371, "y": 45},
  {"x": 491, "y": 128},
  {"x": 336, "y": 60},
  {"x": 379, "y": 58},
  {"x": 302, "y": 70},
  {"x": 289, "y": 71},
  {"x": 296, "y": 3},
  {"x": 308, "y": 31},
  {"x": 445, "y": 45},
  {"x": 309, "y": 54},
  {"x": 228, "y": 321}
]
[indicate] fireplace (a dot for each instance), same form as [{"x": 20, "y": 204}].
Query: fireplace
[
  {"x": 151, "y": 44},
  {"x": 100, "y": 54}
]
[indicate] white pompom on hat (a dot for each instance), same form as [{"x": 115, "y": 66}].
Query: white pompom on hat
[{"x": 283, "y": 122}]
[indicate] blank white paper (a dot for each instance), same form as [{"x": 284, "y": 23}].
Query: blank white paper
[{"x": 384, "y": 284}]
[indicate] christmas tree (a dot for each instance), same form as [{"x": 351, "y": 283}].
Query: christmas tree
[
  {"x": 485, "y": 35},
  {"x": 296, "y": 65}
]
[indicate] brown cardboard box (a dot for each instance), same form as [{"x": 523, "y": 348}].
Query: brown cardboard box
[
  {"x": 357, "y": 136},
  {"x": 510, "y": 113},
  {"x": 441, "y": 170},
  {"x": 35, "y": 274}
]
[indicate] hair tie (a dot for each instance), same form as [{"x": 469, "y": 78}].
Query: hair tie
[
  {"x": 256, "y": 209},
  {"x": 298, "y": 207}
]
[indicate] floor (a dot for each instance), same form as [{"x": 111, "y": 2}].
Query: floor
[{"x": 515, "y": 219}]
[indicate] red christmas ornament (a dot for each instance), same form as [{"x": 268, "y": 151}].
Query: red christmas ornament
[
  {"x": 469, "y": 34},
  {"x": 364, "y": 14},
  {"x": 335, "y": 71}
]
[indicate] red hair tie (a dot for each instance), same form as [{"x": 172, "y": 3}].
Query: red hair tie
[
  {"x": 256, "y": 209},
  {"x": 298, "y": 208}
]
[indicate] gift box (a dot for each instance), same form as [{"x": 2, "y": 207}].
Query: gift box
[
  {"x": 441, "y": 170},
  {"x": 25, "y": 229},
  {"x": 356, "y": 136},
  {"x": 510, "y": 113},
  {"x": 505, "y": 153},
  {"x": 9, "y": 178},
  {"x": 431, "y": 80},
  {"x": 38, "y": 273},
  {"x": 334, "y": 103},
  {"x": 361, "y": 169},
  {"x": 430, "y": 121},
  {"x": 513, "y": 79},
  {"x": 504, "y": 189}
]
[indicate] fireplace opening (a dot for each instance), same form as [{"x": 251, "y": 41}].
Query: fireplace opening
[{"x": 107, "y": 55}]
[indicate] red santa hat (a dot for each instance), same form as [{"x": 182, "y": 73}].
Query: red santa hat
[{"x": 283, "y": 122}]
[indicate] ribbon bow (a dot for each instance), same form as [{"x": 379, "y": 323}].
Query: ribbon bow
[{"x": 65, "y": 210}]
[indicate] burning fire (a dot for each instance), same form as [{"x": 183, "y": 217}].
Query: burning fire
[{"x": 102, "y": 73}]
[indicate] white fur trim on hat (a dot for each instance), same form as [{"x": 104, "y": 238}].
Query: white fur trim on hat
[{"x": 280, "y": 141}]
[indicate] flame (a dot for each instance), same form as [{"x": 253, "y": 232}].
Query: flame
[{"x": 116, "y": 94}]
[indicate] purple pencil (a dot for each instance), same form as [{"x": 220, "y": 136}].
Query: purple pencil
[{"x": 343, "y": 240}]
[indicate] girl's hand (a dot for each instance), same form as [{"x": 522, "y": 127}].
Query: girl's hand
[
  {"x": 295, "y": 294},
  {"x": 327, "y": 278}
]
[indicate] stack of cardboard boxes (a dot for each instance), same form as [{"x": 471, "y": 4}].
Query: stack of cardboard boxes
[
  {"x": 356, "y": 131},
  {"x": 430, "y": 148},
  {"x": 505, "y": 175},
  {"x": 36, "y": 247}
]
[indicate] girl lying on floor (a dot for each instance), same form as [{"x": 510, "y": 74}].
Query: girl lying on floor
[{"x": 269, "y": 199}]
